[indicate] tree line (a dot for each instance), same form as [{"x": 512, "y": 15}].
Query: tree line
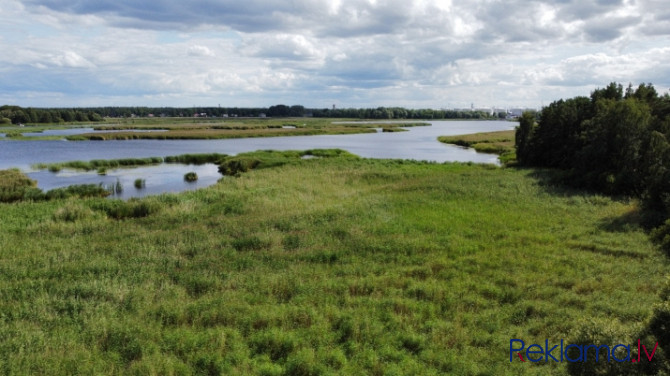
[
  {"x": 616, "y": 141},
  {"x": 19, "y": 115}
]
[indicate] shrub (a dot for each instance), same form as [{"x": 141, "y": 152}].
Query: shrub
[
  {"x": 140, "y": 183},
  {"x": 237, "y": 165},
  {"x": 15, "y": 186},
  {"x": 191, "y": 177}
]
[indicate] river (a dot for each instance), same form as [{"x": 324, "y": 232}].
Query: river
[{"x": 419, "y": 143}]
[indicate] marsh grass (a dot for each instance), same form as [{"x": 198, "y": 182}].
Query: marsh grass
[
  {"x": 220, "y": 132},
  {"x": 16, "y": 186},
  {"x": 335, "y": 265},
  {"x": 501, "y": 143},
  {"x": 102, "y": 165}
]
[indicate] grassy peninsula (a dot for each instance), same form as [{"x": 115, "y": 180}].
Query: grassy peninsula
[
  {"x": 204, "y": 128},
  {"x": 322, "y": 266}
]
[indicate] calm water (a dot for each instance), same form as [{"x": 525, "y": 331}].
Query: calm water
[
  {"x": 418, "y": 143},
  {"x": 158, "y": 179}
]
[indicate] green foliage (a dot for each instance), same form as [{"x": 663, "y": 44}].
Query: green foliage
[
  {"x": 15, "y": 186},
  {"x": 80, "y": 190},
  {"x": 243, "y": 162},
  {"x": 190, "y": 176},
  {"x": 611, "y": 156},
  {"x": 501, "y": 143},
  {"x": 523, "y": 137},
  {"x": 612, "y": 142},
  {"x": 140, "y": 183},
  {"x": 99, "y": 164},
  {"x": 196, "y": 159}
]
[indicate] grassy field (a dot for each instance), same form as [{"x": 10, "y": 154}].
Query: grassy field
[{"x": 330, "y": 265}]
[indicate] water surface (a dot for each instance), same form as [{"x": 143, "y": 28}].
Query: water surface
[{"x": 419, "y": 143}]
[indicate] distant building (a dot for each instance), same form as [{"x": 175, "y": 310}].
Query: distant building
[{"x": 262, "y": 115}]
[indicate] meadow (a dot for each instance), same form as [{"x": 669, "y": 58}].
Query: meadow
[{"x": 332, "y": 265}]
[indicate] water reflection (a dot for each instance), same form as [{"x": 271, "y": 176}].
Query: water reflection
[{"x": 158, "y": 179}]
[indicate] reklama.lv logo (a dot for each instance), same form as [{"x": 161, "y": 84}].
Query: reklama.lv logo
[{"x": 537, "y": 353}]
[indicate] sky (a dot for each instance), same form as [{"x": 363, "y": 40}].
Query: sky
[{"x": 320, "y": 53}]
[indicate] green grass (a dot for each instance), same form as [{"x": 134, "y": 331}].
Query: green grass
[
  {"x": 336, "y": 265},
  {"x": 501, "y": 142},
  {"x": 101, "y": 165}
]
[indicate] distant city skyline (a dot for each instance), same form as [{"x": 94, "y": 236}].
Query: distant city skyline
[{"x": 354, "y": 54}]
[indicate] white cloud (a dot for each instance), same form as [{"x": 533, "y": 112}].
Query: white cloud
[
  {"x": 427, "y": 53},
  {"x": 202, "y": 51}
]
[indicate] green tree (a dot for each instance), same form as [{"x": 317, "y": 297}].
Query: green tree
[
  {"x": 612, "y": 155},
  {"x": 523, "y": 137}
]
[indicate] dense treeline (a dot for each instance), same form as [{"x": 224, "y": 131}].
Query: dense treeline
[
  {"x": 404, "y": 113},
  {"x": 615, "y": 141},
  {"x": 19, "y": 115}
]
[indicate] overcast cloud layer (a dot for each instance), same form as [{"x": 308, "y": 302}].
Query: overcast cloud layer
[{"x": 358, "y": 53}]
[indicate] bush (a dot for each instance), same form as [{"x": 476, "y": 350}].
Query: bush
[
  {"x": 15, "y": 186},
  {"x": 140, "y": 183},
  {"x": 191, "y": 177},
  {"x": 237, "y": 165}
]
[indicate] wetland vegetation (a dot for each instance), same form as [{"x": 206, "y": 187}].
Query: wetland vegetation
[
  {"x": 319, "y": 262},
  {"x": 329, "y": 265}
]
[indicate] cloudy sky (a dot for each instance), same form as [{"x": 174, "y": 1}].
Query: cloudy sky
[{"x": 352, "y": 53}]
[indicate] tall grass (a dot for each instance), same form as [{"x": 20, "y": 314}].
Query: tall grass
[
  {"x": 323, "y": 266},
  {"x": 101, "y": 165},
  {"x": 15, "y": 186}
]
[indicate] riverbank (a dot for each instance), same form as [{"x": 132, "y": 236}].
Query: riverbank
[
  {"x": 334, "y": 265},
  {"x": 501, "y": 143}
]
